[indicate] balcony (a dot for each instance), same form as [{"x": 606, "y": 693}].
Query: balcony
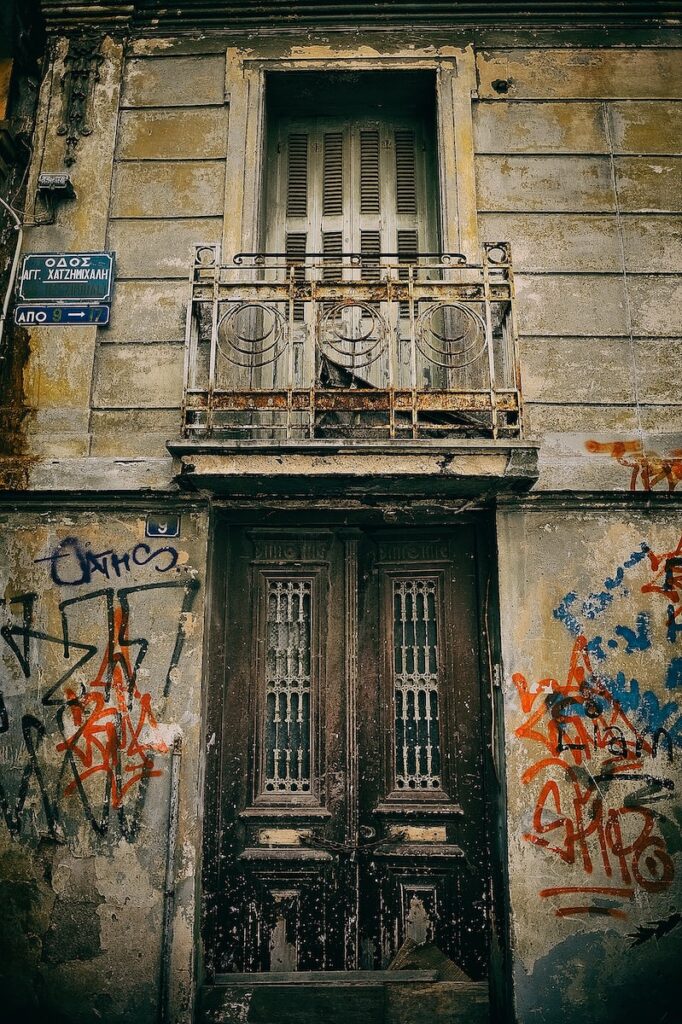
[
  {"x": 403, "y": 356},
  {"x": 352, "y": 346}
]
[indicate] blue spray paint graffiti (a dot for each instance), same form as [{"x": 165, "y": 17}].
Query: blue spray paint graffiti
[
  {"x": 580, "y": 617},
  {"x": 601, "y": 745}
]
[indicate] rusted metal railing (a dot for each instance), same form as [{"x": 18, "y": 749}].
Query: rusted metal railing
[{"x": 351, "y": 346}]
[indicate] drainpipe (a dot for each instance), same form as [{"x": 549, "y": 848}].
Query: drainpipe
[
  {"x": 169, "y": 884},
  {"x": 13, "y": 272}
]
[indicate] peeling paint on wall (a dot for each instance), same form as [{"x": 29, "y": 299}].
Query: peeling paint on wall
[
  {"x": 602, "y": 747},
  {"x": 94, "y": 713},
  {"x": 98, "y": 633},
  {"x": 595, "y": 745}
]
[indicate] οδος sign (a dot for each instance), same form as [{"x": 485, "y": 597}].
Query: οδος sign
[{"x": 67, "y": 277}]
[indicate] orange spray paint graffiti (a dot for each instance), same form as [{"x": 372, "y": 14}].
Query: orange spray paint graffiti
[
  {"x": 591, "y": 747},
  {"x": 646, "y": 465},
  {"x": 603, "y": 753},
  {"x": 115, "y": 732}
]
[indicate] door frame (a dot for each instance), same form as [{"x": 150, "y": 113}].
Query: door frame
[{"x": 223, "y": 520}]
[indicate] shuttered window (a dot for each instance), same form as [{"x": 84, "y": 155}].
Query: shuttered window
[{"x": 340, "y": 186}]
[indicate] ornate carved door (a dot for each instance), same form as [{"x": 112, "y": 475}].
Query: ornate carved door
[{"x": 351, "y": 795}]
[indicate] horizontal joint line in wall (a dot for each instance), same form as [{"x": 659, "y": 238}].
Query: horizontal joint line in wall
[
  {"x": 212, "y": 50},
  {"x": 571, "y": 153},
  {"x": 605, "y": 405},
  {"x": 172, "y": 218},
  {"x": 502, "y": 48},
  {"x": 174, "y": 106},
  {"x": 165, "y": 277},
  {"x": 594, "y": 100},
  {"x": 170, "y": 160},
  {"x": 155, "y": 216},
  {"x": 583, "y": 213},
  {"x": 594, "y": 273},
  {"x": 103, "y": 340},
  {"x": 593, "y": 213},
  {"x": 137, "y": 408},
  {"x": 624, "y": 337}
]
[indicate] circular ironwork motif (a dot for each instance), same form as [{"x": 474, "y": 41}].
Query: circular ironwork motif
[
  {"x": 497, "y": 253},
  {"x": 355, "y": 332},
  {"x": 451, "y": 335},
  {"x": 252, "y": 334},
  {"x": 204, "y": 257}
]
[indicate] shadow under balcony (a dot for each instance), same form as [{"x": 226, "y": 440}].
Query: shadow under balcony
[{"x": 353, "y": 373}]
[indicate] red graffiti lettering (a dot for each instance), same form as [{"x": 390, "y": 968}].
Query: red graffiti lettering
[
  {"x": 115, "y": 733},
  {"x": 590, "y": 748}
]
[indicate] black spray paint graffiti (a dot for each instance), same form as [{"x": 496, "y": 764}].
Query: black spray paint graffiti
[
  {"x": 106, "y": 729},
  {"x": 73, "y": 564},
  {"x": 655, "y": 929}
]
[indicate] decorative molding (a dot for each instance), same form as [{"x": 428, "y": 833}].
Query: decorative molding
[
  {"x": 64, "y": 16},
  {"x": 275, "y": 546},
  {"x": 82, "y": 63},
  {"x": 413, "y": 551}
]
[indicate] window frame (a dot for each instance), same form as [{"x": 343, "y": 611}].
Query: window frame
[{"x": 247, "y": 143}]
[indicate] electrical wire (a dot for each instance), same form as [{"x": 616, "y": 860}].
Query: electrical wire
[{"x": 18, "y": 227}]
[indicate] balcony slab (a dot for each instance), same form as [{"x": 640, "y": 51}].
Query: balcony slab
[{"x": 463, "y": 468}]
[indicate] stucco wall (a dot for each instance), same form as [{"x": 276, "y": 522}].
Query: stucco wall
[
  {"x": 591, "y": 605},
  {"x": 100, "y": 656},
  {"x": 577, "y": 164}
]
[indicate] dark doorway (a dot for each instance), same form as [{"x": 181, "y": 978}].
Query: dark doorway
[{"x": 350, "y": 809}]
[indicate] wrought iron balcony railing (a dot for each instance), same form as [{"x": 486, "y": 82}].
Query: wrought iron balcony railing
[{"x": 351, "y": 346}]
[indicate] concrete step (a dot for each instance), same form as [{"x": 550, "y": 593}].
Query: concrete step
[{"x": 360, "y": 997}]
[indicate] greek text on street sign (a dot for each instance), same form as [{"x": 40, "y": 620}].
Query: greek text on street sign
[
  {"x": 67, "y": 277},
  {"x": 53, "y": 316}
]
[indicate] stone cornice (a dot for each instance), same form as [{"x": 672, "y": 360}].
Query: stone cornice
[
  {"x": 68, "y": 17},
  {"x": 157, "y": 16}
]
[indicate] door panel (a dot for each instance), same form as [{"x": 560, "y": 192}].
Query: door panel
[{"x": 352, "y": 809}]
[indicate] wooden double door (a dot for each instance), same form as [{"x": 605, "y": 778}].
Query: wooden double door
[{"x": 351, "y": 803}]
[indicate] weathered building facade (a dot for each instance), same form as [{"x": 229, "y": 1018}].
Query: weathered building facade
[{"x": 341, "y": 570}]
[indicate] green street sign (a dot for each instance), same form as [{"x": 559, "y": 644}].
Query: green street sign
[{"x": 67, "y": 277}]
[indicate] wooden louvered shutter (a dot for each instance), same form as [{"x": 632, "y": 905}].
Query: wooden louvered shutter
[
  {"x": 370, "y": 188},
  {"x": 332, "y": 246},
  {"x": 295, "y": 248},
  {"x": 345, "y": 186},
  {"x": 407, "y": 246},
  {"x": 332, "y": 174},
  {"x": 297, "y": 175},
  {"x": 405, "y": 173},
  {"x": 370, "y": 249},
  {"x": 297, "y": 205},
  {"x": 333, "y": 193}
]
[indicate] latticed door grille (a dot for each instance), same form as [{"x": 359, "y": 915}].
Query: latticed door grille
[
  {"x": 416, "y": 678},
  {"x": 288, "y": 658}
]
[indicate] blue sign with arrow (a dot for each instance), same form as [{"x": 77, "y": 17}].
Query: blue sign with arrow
[{"x": 52, "y": 316}]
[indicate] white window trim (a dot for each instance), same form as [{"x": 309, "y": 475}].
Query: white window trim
[{"x": 245, "y": 90}]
